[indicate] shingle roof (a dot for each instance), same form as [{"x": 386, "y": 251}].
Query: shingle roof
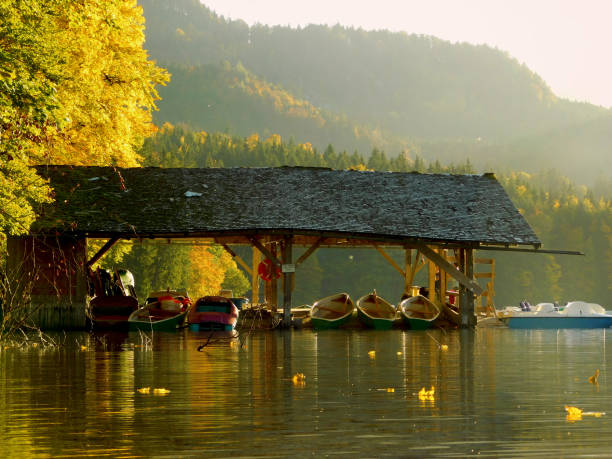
[{"x": 431, "y": 207}]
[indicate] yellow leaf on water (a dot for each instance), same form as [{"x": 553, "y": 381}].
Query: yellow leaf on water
[
  {"x": 572, "y": 410},
  {"x": 399, "y": 353},
  {"x": 390, "y": 389},
  {"x": 144, "y": 390},
  {"x": 593, "y": 379},
  {"x": 298, "y": 377},
  {"x": 444, "y": 347},
  {"x": 83, "y": 348},
  {"x": 161, "y": 391},
  {"x": 372, "y": 354}
]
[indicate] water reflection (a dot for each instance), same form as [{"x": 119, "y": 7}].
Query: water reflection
[{"x": 498, "y": 392}]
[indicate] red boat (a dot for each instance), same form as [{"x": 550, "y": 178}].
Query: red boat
[{"x": 213, "y": 313}]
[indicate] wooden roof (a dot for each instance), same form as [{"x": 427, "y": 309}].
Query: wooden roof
[{"x": 386, "y": 206}]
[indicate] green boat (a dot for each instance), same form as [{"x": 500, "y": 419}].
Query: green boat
[
  {"x": 375, "y": 312},
  {"x": 163, "y": 311},
  {"x": 332, "y": 311},
  {"x": 152, "y": 319},
  {"x": 418, "y": 312}
]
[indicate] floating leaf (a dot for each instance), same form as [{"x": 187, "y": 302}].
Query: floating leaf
[
  {"x": 144, "y": 390},
  {"x": 161, "y": 391},
  {"x": 593, "y": 379},
  {"x": 444, "y": 347},
  {"x": 372, "y": 354},
  {"x": 298, "y": 377},
  {"x": 425, "y": 394}
]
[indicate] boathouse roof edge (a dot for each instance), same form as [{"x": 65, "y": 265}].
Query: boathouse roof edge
[{"x": 92, "y": 201}]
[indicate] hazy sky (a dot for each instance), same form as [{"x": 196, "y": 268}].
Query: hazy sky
[{"x": 567, "y": 42}]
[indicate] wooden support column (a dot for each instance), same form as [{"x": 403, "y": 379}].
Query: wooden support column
[
  {"x": 255, "y": 277},
  {"x": 432, "y": 281},
  {"x": 272, "y": 286},
  {"x": 288, "y": 270},
  {"x": 407, "y": 271},
  {"x": 466, "y": 296}
]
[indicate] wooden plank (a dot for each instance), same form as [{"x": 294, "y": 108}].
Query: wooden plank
[
  {"x": 236, "y": 257},
  {"x": 450, "y": 269},
  {"x": 484, "y": 275},
  {"x": 310, "y": 251},
  {"x": 255, "y": 278},
  {"x": 484, "y": 261},
  {"x": 265, "y": 251},
  {"x": 416, "y": 266},
  {"x": 390, "y": 260},
  {"x": 100, "y": 253}
]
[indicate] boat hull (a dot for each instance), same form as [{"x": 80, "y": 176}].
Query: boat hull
[
  {"x": 374, "y": 322},
  {"x": 557, "y": 322},
  {"x": 213, "y": 313},
  {"x": 332, "y": 312},
  {"x": 172, "y": 323},
  {"x": 327, "y": 324},
  {"x": 418, "y": 313}
]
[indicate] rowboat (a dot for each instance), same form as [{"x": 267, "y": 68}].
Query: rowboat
[
  {"x": 451, "y": 313},
  {"x": 375, "y": 312},
  {"x": 111, "y": 312},
  {"x": 332, "y": 311},
  {"x": 575, "y": 314},
  {"x": 114, "y": 299},
  {"x": 213, "y": 313},
  {"x": 163, "y": 311},
  {"x": 418, "y": 312},
  {"x": 152, "y": 318}
]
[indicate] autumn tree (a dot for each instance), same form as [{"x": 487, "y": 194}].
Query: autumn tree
[{"x": 77, "y": 88}]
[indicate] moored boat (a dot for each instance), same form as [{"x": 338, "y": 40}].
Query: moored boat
[
  {"x": 213, "y": 313},
  {"x": 375, "y": 312},
  {"x": 332, "y": 311},
  {"x": 451, "y": 313},
  {"x": 575, "y": 314},
  {"x": 163, "y": 311},
  {"x": 418, "y": 312},
  {"x": 111, "y": 312}
]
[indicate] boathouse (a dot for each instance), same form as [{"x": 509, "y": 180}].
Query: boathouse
[{"x": 443, "y": 218}]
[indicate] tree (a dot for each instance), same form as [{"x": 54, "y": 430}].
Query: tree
[{"x": 77, "y": 88}]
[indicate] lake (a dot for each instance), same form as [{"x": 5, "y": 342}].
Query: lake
[{"x": 497, "y": 392}]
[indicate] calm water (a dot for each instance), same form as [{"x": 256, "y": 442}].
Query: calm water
[{"x": 498, "y": 393}]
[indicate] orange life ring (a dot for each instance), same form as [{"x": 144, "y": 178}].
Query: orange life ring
[{"x": 267, "y": 269}]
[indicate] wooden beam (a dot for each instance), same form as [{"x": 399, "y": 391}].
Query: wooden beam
[
  {"x": 415, "y": 268},
  {"x": 100, "y": 253},
  {"x": 240, "y": 261},
  {"x": 390, "y": 260},
  {"x": 255, "y": 278},
  {"x": 287, "y": 280},
  {"x": 310, "y": 251},
  {"x": 450, "y": 269},
  {"x": 265, "y": 251}
]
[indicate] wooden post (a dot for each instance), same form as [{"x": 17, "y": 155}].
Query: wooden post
[
  {"x": 272, "y": 285},
  {"x": 407, "y": 271},
  {"x": 288, "y": 270},
  {"x": 255, "y": 277},
  {"x": 432, "y": 281},
  {"x": 466, "y": 297}
]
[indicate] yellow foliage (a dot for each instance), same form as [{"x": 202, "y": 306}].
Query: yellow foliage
[
  {"x": 252, "y": 141},
  {"x": 274, "y": 140},
  {"x": 521, "y": 189},
  {"x": 107, "y": 100}
]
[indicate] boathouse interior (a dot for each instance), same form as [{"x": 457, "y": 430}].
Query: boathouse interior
[{"x": 439, "y": 220}]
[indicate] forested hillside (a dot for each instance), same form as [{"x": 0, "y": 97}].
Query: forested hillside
[{"x": 370, "y": 89}]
